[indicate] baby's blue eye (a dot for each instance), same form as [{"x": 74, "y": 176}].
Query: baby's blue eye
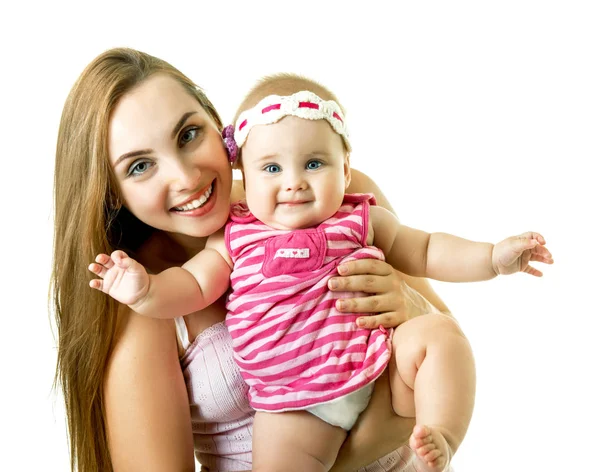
[
  {"x": 272, "y": 168},
  {"x": 313, "y": 165}
]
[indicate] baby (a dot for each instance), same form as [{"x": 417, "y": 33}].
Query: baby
[{"x": 310, "y": 369}]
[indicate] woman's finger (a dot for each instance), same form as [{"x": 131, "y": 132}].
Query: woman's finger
[
  {"x": 372, "y": 304},
  {"x": 390, "y": 319},
  {"x": 361, "y": 283},
  {"x": 365, "y": 266}
]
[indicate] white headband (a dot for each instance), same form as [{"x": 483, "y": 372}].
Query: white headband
[{"x": 302, "y": 104}]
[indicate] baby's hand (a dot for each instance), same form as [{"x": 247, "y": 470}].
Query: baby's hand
[
  {"x": 121, "y": 277},
  {"x": 514, "y": 254}
]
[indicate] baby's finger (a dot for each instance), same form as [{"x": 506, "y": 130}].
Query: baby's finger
[
  {"x": 97, "y": 269},
  {"x": 432, "y": 457},
  {"x": 118, "y": 255},
  {"x": 533, "y": 235},
  {"x": 533, "y": 271},
  {"x": 121, "y": 259},
  {"x": 365, "y": 266},
  {"x": 542, "y": 251},
  {"x": 520, "y": 244},
  {"x": 542, "y": 258},
  {"x": 105, "y": 260},
  {"x": 96, "y": 283}
]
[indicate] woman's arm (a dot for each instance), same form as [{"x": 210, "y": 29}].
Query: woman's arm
[
  {"x": 379, "y": 430},
  {"x": 146, "y": 402},
  {"x": 394, "y": 291},
  {"x": 396, "y": 297}
]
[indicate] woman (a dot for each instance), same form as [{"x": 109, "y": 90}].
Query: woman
[{"x": 120, "y": 153}]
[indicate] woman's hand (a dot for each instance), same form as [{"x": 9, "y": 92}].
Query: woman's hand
[{"x": 392, "y": 301}]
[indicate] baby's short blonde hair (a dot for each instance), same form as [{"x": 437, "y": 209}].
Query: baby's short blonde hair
[{"x": 284, "y": 84}]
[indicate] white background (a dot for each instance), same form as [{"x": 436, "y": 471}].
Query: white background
[{"x": 478, "y": 118}]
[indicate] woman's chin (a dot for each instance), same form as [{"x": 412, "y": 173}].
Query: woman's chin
[{"x": 208, "y": 225}]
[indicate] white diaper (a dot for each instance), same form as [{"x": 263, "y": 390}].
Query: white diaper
[{"x": 344, "y": 411}]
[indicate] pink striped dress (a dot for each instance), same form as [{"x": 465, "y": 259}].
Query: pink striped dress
[{"x": 294, "y": 349}]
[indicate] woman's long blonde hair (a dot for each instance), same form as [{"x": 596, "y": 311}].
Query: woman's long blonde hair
[{"x": 89, "y": 220}]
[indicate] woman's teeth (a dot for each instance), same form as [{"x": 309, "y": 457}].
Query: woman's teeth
[{"x": 196, "y": 203}]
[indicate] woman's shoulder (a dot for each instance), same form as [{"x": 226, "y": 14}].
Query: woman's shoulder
[
  {"x": 362, "y": 183},
  {"x": 137, "y": 339}
]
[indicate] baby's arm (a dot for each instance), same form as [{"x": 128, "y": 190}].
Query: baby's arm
[
  {"x": 176, "y": 291},
  {"x": 442, "y": 256}
]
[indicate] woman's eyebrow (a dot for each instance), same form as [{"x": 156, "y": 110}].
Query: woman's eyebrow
[
  {"x": 176, "y": 129},
  {"x": 181, "y": 122},
  {"x": 129, "y": 155}
]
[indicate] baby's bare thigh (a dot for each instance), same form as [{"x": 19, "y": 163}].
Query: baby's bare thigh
[
  {"x": 377, "y": 432},
  {"x": 409, "y": 347},
  {"x": 295, "y": 440}
]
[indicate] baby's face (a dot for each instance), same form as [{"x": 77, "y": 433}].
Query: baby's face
[{"x": 295, "y": 171}]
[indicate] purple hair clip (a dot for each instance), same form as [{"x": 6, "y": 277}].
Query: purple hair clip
[{"x": 229, "y": 141}]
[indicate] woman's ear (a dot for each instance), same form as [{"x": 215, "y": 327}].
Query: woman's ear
[{"x": 347, "y": 172}]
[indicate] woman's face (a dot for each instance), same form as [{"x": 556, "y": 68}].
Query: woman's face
[{"x": 169, "y": 160}]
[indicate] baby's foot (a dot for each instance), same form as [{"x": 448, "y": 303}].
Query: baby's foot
[{"x": 432, "y": 449}]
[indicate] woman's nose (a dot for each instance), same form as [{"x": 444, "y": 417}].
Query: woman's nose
[{"x": 184, "y": 176}]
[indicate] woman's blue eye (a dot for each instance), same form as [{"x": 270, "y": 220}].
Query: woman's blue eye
[
  {"x": 139, "y": 167},
  {"x": 272, "y": 168},
  {"x": 313, "y": 165},
  {"x": 188, "y": 136}
]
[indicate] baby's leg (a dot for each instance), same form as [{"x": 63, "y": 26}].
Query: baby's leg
[
  {"x": 294, "y": 441},
  {"x": 432, "y": 377}
]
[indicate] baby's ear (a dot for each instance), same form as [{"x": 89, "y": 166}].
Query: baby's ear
[{"x": 347, "y": 173}]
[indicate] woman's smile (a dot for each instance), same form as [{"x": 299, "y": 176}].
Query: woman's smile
[
  {"x": 195, "y": 201},
  {"x": 199, "y": 204}
]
